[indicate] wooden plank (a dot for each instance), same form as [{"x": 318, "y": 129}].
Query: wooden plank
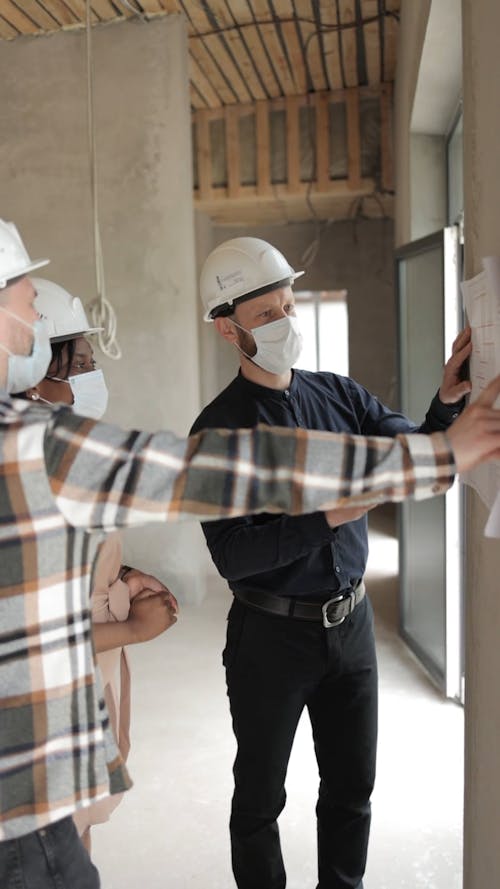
[
  {"x": 353, "y": 139},
  {"x": 217, "y": 80},
  {"x": 263, "y": 145},
  {"x": 59, "y": 10},
  {"x": 151, "y": 6},
  {"x": 215, "y": 46},
  {"x": 285, "y": 11},
  {"x": 203, "y": 155},
  {"x": 248, "y": 193},
  {"x": 391, "y": 28},
  {"x": 172, "y": 6},
  {"x": 386, "y": 138},
  {"x": 348, "y": 39},
  {"x": 312, "y": 45},
  {"x": 39, "y": 15},
  {"x": 13, "y": 16},
  {"x": 273, "y": 45},
  {"x": 322, "y": 141},
  {"x": 295, "y": 55},
  {"x": 78, "y": 8},
  {"x": 7, "y": 32},
  {"x": 106, "y": 11},
  {"x": 242, "y": 13},
  {"x": 292, "y": 144},
  {"x": 331, "y": 44},
  {"x": 197, "y": 101},
  {"x": 203, "y": 86},
  {"x": 371, "y": 34},
  {"x": 232, "y": 151},
  {"x": 237, "y": 47}
]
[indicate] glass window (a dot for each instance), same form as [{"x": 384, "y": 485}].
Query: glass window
[{"x": 323, "y": 322}]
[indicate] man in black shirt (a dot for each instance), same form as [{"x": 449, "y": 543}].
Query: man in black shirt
[{"x": 300, "y": 629}]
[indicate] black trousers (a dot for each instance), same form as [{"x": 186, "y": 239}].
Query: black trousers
[{"x": 276, "y": 666}]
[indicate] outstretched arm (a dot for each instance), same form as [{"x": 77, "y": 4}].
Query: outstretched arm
[{"x": 102, "y": 476}]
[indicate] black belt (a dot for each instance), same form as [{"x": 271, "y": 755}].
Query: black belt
[{"x": 331, "y": 613}]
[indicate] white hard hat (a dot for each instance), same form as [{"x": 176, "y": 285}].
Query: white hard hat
[
  {"x": 64, "y": 314},
  {"x": 241, "y": 268},
  {"x": 14, "y": 259}
]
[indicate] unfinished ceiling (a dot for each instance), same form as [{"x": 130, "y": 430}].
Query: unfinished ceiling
[
  {"x": 244, "y": 50},
  {"x": 252, "y": 57}
]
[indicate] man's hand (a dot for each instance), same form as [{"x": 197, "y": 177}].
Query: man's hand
[
  {"x": 453, "y": 387},
  {"x": 139, "y": 582},
  {"x": 149, "y": 616},
  {"x": 475, "y": 435},
  {"x": 336, "y": 517}
]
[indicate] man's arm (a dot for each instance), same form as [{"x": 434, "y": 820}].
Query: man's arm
[{"x": 102, "y": 476}]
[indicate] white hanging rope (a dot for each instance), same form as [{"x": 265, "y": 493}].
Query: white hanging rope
[{"x": 101, "y": 311}]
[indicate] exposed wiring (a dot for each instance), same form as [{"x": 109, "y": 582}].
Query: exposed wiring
[
  {"x": 137, "y": 13},
  {"x": 101, "y": 311}
]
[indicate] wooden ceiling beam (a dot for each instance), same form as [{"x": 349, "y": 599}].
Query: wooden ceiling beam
[
  {"x": 202, "y": 84},
  {"x": 311, "y": 42},
  {"x": 242, "y": 13},
  {"x": 17, "y": 19},
  {"x": 271, "y": 40},
  {"x": 63, "y": 15},
  {"x": 353, "y": 139},
  {"x": 78, "y": 8},
  {"x": 348, "y": 43},
  {"x": 224, "y": 18},
  {"x": 371, "y": 33},
  {"x": 201, "y": 55},
  {"x": 7, "y": 31},
  {"x": 330, "y": 39},
  {"x": 105, "y": 10}
]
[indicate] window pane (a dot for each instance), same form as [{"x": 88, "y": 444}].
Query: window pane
[{"x": 324, "y": 325}]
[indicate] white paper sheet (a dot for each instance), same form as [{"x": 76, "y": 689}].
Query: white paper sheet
[{"x": 482, "y": 303}]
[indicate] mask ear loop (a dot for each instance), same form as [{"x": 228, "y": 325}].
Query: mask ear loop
[{"x": 240, "y": 350}]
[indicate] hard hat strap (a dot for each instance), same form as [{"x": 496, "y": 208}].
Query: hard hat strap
[{"x": 228, "y": 308}]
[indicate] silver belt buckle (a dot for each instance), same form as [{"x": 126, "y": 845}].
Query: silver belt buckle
[{"x": 324, "y": 608}]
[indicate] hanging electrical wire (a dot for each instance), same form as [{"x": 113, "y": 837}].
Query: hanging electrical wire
[{"x": 101, "y": 311}]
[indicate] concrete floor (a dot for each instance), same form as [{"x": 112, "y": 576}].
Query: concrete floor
[{"x": 170, "y": 832}]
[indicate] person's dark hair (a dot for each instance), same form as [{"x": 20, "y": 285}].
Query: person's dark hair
[{"x": 62, "y": 359}]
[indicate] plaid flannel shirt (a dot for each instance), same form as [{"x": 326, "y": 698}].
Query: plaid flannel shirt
[{"x": 63, "y": 481}]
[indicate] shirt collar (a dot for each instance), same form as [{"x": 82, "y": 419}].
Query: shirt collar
[{"x": 265, "y": 391}]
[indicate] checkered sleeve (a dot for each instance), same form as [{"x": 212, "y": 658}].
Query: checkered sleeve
[{"x": 105, "y": 477}]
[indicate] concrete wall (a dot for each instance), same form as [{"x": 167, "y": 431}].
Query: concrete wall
[
  {"x": 428, "y": 187},
  {"x": 358, "y": 257},
  {"x": 144, "y": 153},
  {"x": 411, "y": 36},
  {"x": 481, "y": 25}
]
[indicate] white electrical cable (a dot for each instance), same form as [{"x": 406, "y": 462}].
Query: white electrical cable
[{"x": 101, "y": 311}]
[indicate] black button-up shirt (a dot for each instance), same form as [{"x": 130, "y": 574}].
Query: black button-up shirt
[{"x": 301, "y": 555}]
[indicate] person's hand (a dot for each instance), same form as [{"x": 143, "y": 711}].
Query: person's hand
[
  {"x": 336, "y": 517},
  {"x": 140, "y": 582},
  {"x": 150, "y": 615},
  {"x": 475, "y": 434},
  {"x": 453, "y": 387}
]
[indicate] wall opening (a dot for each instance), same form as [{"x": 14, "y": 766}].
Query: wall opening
[{"x": 324, "y": 324}]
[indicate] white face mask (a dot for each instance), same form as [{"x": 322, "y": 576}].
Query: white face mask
[
  {"x": 25, "y": 371},
  {"x": 279, "y": 344},
  {"x": 90, "y": 393}
]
